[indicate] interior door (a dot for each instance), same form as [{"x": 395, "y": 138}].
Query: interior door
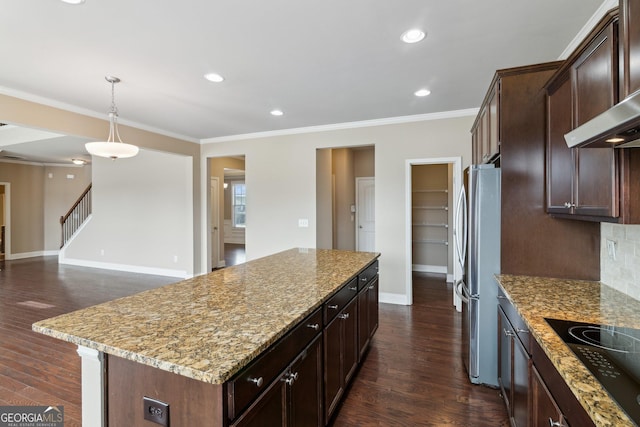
[
  {"x": 215, "y": 223},
  {"x": 365, "y": 214}
]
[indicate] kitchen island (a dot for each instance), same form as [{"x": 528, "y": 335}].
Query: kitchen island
[
  {"x": 196, "y": 345},
  {"x": 537, "y": 298}
]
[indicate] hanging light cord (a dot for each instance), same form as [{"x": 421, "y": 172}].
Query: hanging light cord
[{"x": 113, "y": 112}]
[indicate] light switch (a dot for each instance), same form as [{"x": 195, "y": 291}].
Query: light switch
[{"x": 303, "y": 222}]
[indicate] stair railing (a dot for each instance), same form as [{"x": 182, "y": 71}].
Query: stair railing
[{"x": 76, "y": 216}]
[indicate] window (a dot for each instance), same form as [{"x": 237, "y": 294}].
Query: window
[{"x": 238, "y": 203}]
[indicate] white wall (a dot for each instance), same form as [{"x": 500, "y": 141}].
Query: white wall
[
  {"x": 281, "y": 185},
  {"x": 142, "y": 216}
]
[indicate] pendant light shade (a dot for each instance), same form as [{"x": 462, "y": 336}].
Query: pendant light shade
[{"x": 111, "y": 148}]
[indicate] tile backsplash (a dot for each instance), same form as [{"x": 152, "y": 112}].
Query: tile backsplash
[{"x": 621, "y": 271}]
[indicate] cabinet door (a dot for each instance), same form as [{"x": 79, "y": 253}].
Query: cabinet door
[
  {"x": 594, "y": 77},
  {"x": 630, "y": 38},
  {"x": 306, "y": 389},
  {"x": 372, "y": 292},
  {"x": 520, "y": 403},
  {"x": 560, "y": 161},
  {"x": 268, "y": 410},
  {"x": 349, "y": 318},
  {"x": 544, "y": 409},
  {"x": 493, "y": 146},
  {"x": 363, "y": 320},
  {"x": 333, "y": 384},
  {"x": 367, "y": 315},
  {"x": 505, "y": 349},
  {"x": 596, "y": 189}
]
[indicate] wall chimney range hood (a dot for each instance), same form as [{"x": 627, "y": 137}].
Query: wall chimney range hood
[{"x": 619, "y": 126}]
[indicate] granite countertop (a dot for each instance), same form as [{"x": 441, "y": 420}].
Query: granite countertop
[
  {"x": 211, "y": 326},
  {"x": 536, "y": 298}
]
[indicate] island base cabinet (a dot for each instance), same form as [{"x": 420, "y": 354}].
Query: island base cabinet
[
  {"x": 294, "y": 399},
  {"x": 340, "y": 355},
  {"x": 367, "y": 315},
  {"x": 191, "y": 402}
]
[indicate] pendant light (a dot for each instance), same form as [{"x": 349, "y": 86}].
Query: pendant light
[{"x": 111, "y": 148}]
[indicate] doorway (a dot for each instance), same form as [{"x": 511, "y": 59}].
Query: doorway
[
  {"x": 365, "y": 214},
  {"x": 5, "y": 230},
  {"x": 228, "y": 200},
  {"x": 431, "y": 187},
  {"x": 341, "y": 173}
]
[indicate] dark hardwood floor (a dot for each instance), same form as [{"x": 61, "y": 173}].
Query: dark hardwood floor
[
  {"x": 36, "y": 369},
  {"x": 412, "y": 375},
  {"x": 234, "y": 254}
]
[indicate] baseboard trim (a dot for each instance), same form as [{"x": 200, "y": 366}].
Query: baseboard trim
[
  {"x": 33, "y": 254},
  {"x": 123, "y": 267},
  {"x": 389, "y": 298},
  {"x": 423, "y": 268}
]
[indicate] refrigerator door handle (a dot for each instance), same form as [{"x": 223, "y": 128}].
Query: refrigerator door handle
[
  {"x": 458, "y": 288},
  {"x": 460, "y": 236},
  {"x": 463, "y": 292}
]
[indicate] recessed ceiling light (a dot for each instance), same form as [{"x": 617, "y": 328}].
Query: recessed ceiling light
[
  {"x": 277, "y": 112},
  {"x": 73, "y": 1},
  {"x": 422, "y": 92},
  {"x": 214, "y": 77},
  {"x": 78, "y": 161},
  {"x": 413, "y": 36}
]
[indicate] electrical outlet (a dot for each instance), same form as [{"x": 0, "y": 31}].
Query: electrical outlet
[
  {"x": 611, "y": 249},
  {"x": 156, "y": 411}
]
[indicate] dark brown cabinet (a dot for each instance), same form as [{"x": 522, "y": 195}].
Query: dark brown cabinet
[
  {"x": 340, "y": 355},
  {"x": 367, "y": 307},
  {"x": 547, "y": 413},
  {"x": 513, "y": 367},
  {"x": 295, "y": 398},
  {"x": 534, "y": 392},
  {"x": 594, "y": 183},
  {"x": 583, "y": 181},
  {"x": 630, "y": 47},
  {"x": 485, "y": 135}
]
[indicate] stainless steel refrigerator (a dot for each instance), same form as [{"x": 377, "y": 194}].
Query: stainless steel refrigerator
[{"x": 477, "y": 244}]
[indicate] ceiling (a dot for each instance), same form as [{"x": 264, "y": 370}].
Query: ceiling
[{"x": 321, "y": 62}]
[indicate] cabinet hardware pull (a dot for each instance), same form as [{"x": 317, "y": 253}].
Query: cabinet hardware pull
[
  {"x": 555, "y": 423},
  {"x": 257, "y": 381},
  {"x": 344, "y": 316},
  {"x": 353, "y": 288},
  {"x": 313, "y": 326},
  {"x": 521, "y": 331},
  {"x": 501, "y": 297},
  {"x": 371, "y": 286},
  {"x": 364, "y": 279},
  {"x": 569, "y": 205},
  {"x": 291, "y": 377},
  {"x": 333, "y": 307},
  {"x": 508, "y": 333}
]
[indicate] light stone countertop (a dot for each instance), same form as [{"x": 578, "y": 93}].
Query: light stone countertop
[
  {"x": 211, "y": 326},
  {"x": 536, "y": 298}
]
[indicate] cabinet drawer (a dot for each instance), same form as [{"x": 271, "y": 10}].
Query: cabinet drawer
[
  {"x": 368, "y": 275},
  {"x": 519, "y": 326},
  {"x": 256, "y": 377},
  {"x": 340, "y": 300}
]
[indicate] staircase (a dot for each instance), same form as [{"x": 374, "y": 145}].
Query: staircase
[{"x": 76, "y": 216}]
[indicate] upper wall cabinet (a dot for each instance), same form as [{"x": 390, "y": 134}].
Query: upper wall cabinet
[
  {"x": 485, "y": 133},
  {"x": 630, "y": 47},
  {"x": 590, "y": 183}
]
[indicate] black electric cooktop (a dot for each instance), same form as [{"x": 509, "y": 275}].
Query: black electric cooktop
[{"x": 612, "y": 354}]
